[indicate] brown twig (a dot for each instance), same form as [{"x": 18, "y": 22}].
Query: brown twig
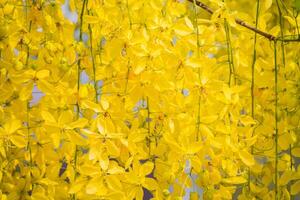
[
  {"x": 202, "y": 5},
  {"x": 244, "y": 24},
  {"x": 238, "y": 21}
]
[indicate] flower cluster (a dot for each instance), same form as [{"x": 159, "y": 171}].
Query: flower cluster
[{"x": 139, "y": 99}]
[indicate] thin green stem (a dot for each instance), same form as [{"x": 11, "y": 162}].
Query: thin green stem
[
  {"x": 199, "y": 72},
  {"x": 29, "y": 142},
  {"x": 129, "y": 16},
  {"x": 93, "y": 63},
  {"x": 148, "y": 125},
  {"x": 291, "y": 157},
  {"x": 281, "y": 32},
  {"x": 78, "y": 88},
  {"x": 127, "y": 78},
  {"x": 229, "y": 53},
  {"x": 283, "y": 63},
  {"x": 289, "y": 38},
  {"x": 28, "y": 104},
  {"x": 253, "y": 79},
  {"x": 297, "y": 27},
  {"x": 128, "y": 65},
  {"x": 254, "y": 61},
  {"x": 276, "y": 121},
  {"x": 26, "y": 11},
  {"x": 197, "y": 29},
  {"x": 28, "y": 50},
  {"x": 81, "y": 18}
]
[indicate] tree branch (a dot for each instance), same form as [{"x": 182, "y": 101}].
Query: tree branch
[{"x": 238, "y": 21}]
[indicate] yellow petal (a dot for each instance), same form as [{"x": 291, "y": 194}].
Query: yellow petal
[
  {"x": 246, "y": 157},
  {"x": 95, "y": 185},
  {"x": 193, "y": 148},
  {"x": 104, "y": 161},
  {"x": 72, "y": 5},
  {"x": 113, "y": 182},
  {"x": 209, "y": 119},
  {"x": 189, "y": 23},
  {"x": 46, "y": 87},
  {"x": 104, "y": 103},
  {"x": 55, "y": 139},
  {"x": 26, "y": 91},
  {"x": 112, "y": 148},
  {"x": 86, "y": 104},
  {"x": 116, "y": 170},
  {"x": 285, "y": 178},
  {"x": 147, "y": 168},
  {"x": 290, "y": 20},
  {"x": 267, "y": 4},
  {"x": 18, "y": 140},
  {"x": 76, "y": 138},
  {"x": 12, "y": 126},
  {"x": 247, "y": 120},
  {"x": 48, "y": 117},
  {"x": 286, "y": 140},
  {"x": 83, "y": 92},
  {"x": 150, "y": 184},
  {"x": 77, "y": 186},
  {"x": 47, "y": 181},
  {"x": 295, "y": 188},
  {"x": 296, "y": 152},
  {"x": 194, "y": 196},
  {"x": 91, "y": 19},
  {"x": 171, "y": 126},
  {"x": 43, "y": 74},
  {"x": 80, "y": 123},
  {"x": 139, "y": 193},
  {"x": 234, "y": 180}
]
